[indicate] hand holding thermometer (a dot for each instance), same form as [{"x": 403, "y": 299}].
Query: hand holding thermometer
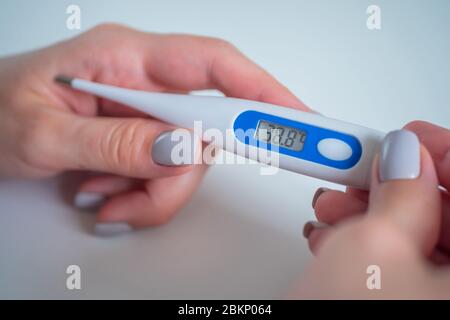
[{"x": 307, "y": 143}]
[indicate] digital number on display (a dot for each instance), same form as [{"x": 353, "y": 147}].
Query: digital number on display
[{"x": 283, "y": 136}]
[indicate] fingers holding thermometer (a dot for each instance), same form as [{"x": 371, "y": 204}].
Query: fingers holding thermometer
[
  {"x": 411, "y": 203},
  {"x": 47, "y": 128},
  {"x": 145, "y": 189},
  {"x": 399, "y": 229}
]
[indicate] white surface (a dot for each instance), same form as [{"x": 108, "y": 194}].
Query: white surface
[
  {"x": 229, "y": 242},
  {"x": 240, "y": 236}
]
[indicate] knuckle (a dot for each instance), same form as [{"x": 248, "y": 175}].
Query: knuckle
[
  {"x": 161, "y": 214},
  {"x": 108, "y": 27},
  {"x": 161, "y": 218},
  {"x": 221, "y": 44},
  {"x": 162, "y": 210},
  {"x": 125, "y": 146},
  {"x": 153, "y": 217},
  {"x": 416, "y": 125}
]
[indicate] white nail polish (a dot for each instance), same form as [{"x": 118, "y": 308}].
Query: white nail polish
[
  {"x": 187, "y": 144},
  {"x": 84, "y": 200},
  {"x": 400, "y": 156},
  {"x": 110, "y": 229}
]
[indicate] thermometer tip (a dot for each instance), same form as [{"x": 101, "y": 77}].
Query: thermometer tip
[{"x": 64, "y": 80}]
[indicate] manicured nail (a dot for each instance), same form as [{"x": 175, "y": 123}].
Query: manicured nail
[
  {"x": 400, "y": 156},
  {"x": 310, "y": 226},
  {"x": 317, "y": 195},
  {"x": 110, "y": 229},
  {"x": 164, "y": 152},
  {"x": 86, "y": 200}
]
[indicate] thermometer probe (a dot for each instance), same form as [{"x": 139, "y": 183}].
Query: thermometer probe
[{"x": 306, "y": 143}]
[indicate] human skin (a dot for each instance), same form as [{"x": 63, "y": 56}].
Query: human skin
[
  {"x": 403, "y": 226},
  {"x": 46, "y": 129}
]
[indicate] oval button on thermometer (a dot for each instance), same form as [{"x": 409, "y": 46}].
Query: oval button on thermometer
[
  {"x": 304, "y": 142},
  {"x": 334, "y": 149}
]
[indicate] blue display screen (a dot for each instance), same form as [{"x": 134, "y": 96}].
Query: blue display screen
[{"x": 293, "y": 138}]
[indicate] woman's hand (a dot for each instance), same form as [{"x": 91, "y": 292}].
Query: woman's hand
[
  {"x": 46, "y": 129},
  {"x": 332, "y": 207},
  {"x": 402, "y": 226}
]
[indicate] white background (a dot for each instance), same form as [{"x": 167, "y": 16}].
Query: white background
[{"x": 240, "y": 236}]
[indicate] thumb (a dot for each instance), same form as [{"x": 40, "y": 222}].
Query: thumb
[
  {"x": 405, "y": 190},
  {"x": 133, "y": 147}
]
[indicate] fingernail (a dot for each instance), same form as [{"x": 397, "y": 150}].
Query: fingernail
[
  {"x": 317, "y": 195},
  {"x": 310, "y": 226},
  {"x": 110, "y": 229},
  {"x": 85, "y": 200},
  {"x": 400, "y": 156},
  {"x": 164, "y": 152}
]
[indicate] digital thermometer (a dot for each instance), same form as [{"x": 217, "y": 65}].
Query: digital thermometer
[{"x": 307, "y": 143}]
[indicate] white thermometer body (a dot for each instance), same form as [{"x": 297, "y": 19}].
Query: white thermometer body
[{"x": 307, "y": 143}]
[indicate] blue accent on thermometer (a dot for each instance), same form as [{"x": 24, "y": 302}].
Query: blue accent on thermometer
[{"x": 312, "y": 135}]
